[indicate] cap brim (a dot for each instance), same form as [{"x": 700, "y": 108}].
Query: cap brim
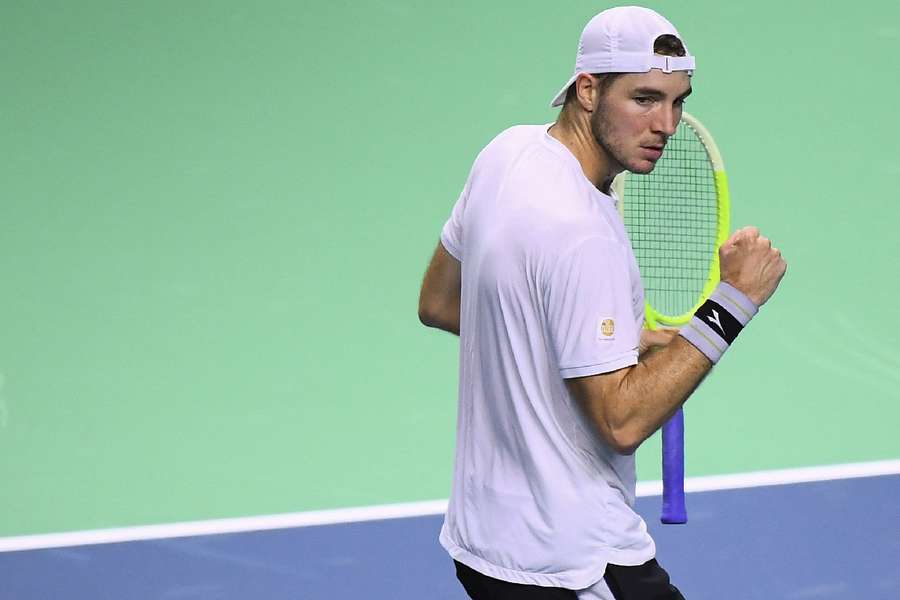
[{"x": 561, "y": 96}]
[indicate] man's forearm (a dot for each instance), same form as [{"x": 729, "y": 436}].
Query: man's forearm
[{"x": 653, "y": 389}]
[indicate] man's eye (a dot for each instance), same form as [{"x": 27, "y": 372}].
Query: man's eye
[{"x": 643, "y": 100}]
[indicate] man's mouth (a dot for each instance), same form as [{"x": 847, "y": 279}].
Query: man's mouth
[{"x": 653, "y": 152}]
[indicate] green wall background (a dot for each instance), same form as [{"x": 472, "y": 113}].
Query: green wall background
[{"x": 216, "y": 217}]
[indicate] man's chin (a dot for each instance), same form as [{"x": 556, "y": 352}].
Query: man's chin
[{"x": 644, "y": 167}]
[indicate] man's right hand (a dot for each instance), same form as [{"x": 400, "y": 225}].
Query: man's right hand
[{"x": 748, "y": 261}]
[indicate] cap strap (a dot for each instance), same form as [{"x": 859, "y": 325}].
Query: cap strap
[{"x": 672, "y": 63}]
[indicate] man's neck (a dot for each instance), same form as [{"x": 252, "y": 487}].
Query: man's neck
[{"x": 577, "y": 137}]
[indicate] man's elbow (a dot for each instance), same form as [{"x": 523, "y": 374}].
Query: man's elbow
[
  {"x": 427, "y": 318},
  {"x": 619, "y": 439},
  {"x": 429, "y": 315},
  {"x": 598, "y": 395},
  {"x": 622, "y": 438},
  {"x": 445, "y": 321},
  {"x": 431, "y": 318},
  {"x": 624, "y": 443}
]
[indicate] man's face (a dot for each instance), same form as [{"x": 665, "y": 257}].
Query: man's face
[{"x": 637, "y": 115}]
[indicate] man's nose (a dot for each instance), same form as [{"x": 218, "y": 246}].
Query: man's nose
[{"x": 666, "y": 121}]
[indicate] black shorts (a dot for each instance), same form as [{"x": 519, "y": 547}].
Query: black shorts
[{"x": 648, "y": 581}]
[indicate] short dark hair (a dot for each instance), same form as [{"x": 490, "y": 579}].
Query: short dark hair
[{"x": 666, "y": 45}]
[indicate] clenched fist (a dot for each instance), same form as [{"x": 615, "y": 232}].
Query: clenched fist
[
  {"x": 748, "y": 261},
  {"x": 652, "y": 339}
]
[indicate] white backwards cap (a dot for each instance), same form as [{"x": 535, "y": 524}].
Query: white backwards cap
[{"x": 620, "y": 40}]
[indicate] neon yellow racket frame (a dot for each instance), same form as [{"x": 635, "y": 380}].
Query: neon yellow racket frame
[{"x": 654, "y": 318}]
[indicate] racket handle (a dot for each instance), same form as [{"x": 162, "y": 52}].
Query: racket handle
[{"x": 673, "y": 509}]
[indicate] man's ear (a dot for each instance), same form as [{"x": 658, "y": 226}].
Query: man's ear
[{"x": 586, "y": 90}]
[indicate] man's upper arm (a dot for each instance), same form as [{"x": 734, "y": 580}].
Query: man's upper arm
[
  {"x": 440, "y": 293},
  {"x": 590, "y": 308},
  {"x": 593, "y": 327}
]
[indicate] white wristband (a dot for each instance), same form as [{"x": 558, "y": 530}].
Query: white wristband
[{"x": 719, "y": 320}]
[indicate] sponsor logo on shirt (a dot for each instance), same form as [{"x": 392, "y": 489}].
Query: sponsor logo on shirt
[{"x": 607, "y": 329}]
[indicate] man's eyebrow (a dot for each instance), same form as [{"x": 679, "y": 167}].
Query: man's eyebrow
[{"x": 655, "y": 93}]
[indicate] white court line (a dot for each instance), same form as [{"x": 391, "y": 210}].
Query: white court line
[{"x": 416, "y": 509}]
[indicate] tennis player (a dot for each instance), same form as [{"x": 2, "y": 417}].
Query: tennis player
[{"x": 558, "y": 383}]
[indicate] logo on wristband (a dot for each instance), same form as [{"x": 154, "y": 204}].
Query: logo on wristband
[
  {"x": 719, "y": 320},
  {"x": 716, "y": 321}
]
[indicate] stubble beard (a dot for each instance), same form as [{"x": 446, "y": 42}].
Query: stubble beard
[{"x": 602, "y": 132}]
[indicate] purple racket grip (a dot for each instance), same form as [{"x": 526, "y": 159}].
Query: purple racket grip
[{"x": 673, "y": 509}]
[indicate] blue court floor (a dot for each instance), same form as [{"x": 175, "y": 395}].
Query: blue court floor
[{"x": 836, "y": 539}]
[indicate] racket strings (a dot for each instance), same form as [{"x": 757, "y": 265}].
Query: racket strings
[{"x": 672, "y": 219}]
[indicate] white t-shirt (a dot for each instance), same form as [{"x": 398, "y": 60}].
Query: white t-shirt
[{"x": 550, "y": 290}]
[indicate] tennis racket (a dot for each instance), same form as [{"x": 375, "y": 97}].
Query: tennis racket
[{"x": 677, "y": 217}]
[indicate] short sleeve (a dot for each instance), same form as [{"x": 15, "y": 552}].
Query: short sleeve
[
  {"x": 452, "y": 233},
  {"x": 590, "y": 309}
]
